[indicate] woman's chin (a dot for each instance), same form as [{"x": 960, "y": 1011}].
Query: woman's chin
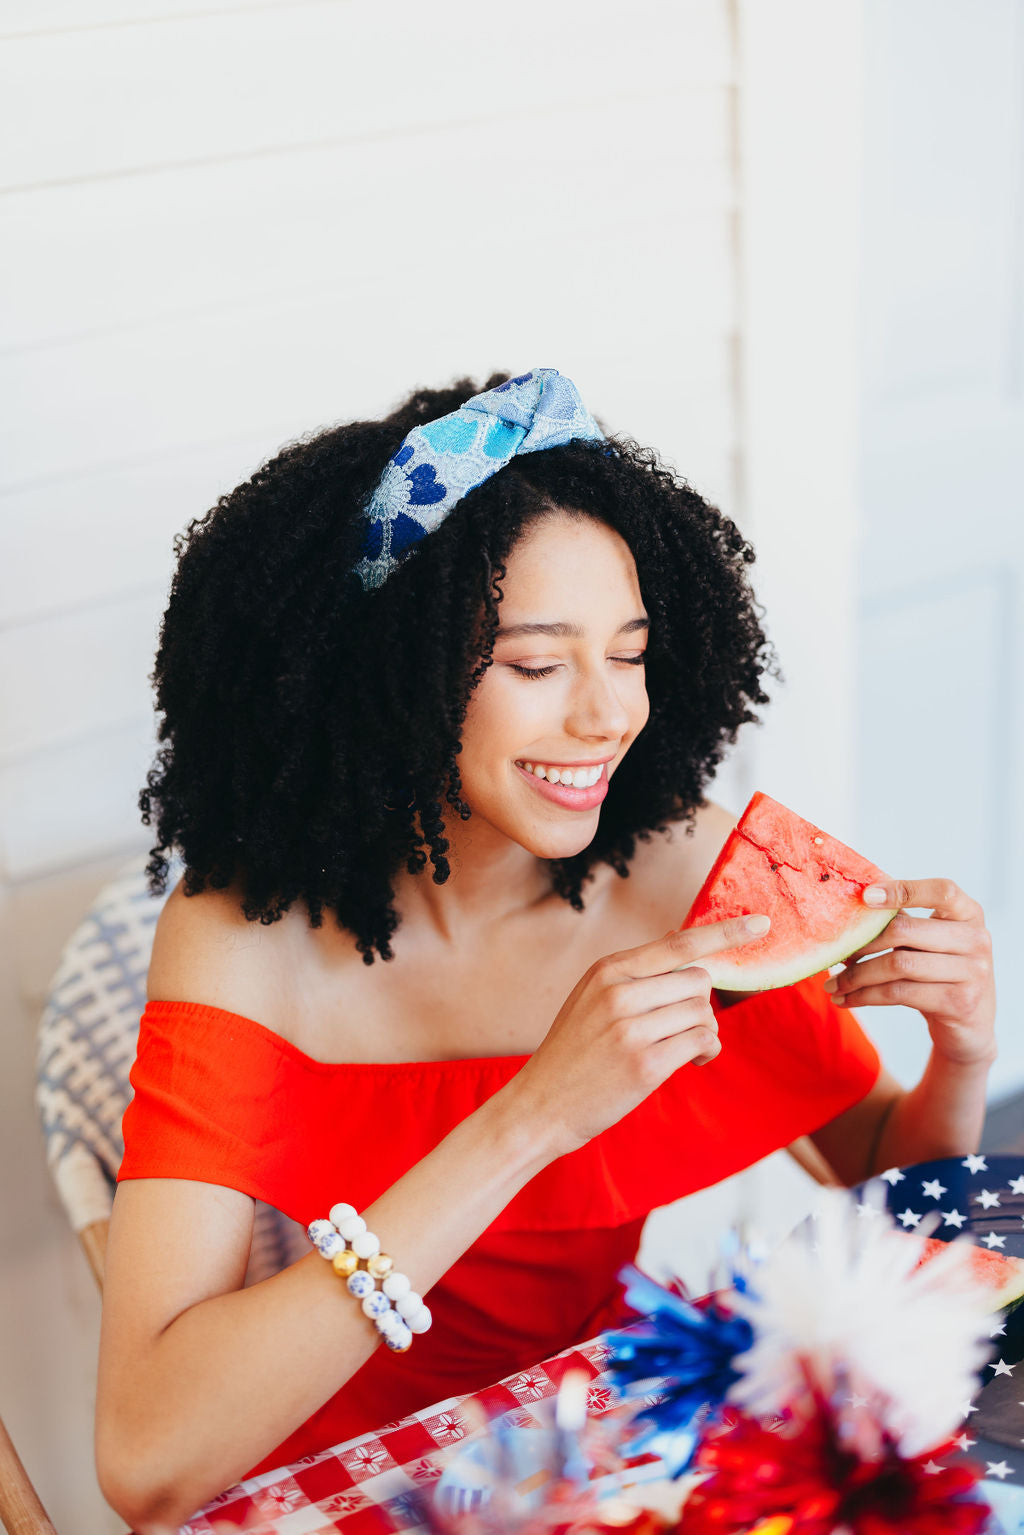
[{"x": 560, "y": 842}]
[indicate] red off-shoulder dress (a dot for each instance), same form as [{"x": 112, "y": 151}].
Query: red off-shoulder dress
[{"x": 221, "y": 1099}]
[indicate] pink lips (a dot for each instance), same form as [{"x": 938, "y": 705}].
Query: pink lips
[{"x": 565, "y": 795}]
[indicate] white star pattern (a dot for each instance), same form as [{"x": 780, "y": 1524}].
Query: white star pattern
[
  {"x": 999, "y": 1331},
  {"x": 964, "y": 1442},
  {"x": 856, "y": 1401},
  {"x": 868, "y": 1211},
  {"x": 527, "y": 1387},
  {"x": 1017, "y": 1185},
  {"x": 445, "y": 1426},
  {"x": 998, "y": 1468},
  {"x": 986, "y": 1199},
  {"x": 993, "y": 1241},
  {"x": 975, "y": 1164},
  {"x": 931, "y": 1188},
  {"x": 966, "y": 1409},
  {"x": 953, "y": 1218},
  {"x": 892, "y": 1176},
  {"x": 931, "y": 1468},
  {"x": 909, "y": 1218},
  {"x": 1002, "y": 1368}
]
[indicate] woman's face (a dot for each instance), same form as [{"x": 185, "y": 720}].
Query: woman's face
[{"x": 565, "y": 696}]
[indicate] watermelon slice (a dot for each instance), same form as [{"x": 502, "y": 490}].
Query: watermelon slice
[
  {"x": 998, "y": 1273},
  {"x": 809, "y": 883}
]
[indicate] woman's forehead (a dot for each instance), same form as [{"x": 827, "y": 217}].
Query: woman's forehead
[{"x": 568, "y": 565}]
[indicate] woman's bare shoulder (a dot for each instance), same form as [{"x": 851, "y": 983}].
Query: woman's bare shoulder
[{"x": 206, "y": 950}]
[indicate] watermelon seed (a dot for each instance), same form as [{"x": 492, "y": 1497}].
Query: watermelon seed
[
  {"x": 824, "y": 876},
  {"x": 775, "y": 868}
]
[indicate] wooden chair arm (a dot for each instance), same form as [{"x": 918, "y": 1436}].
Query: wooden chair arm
[
  {"x": 21, "y": 1512},
  {"x": 94, "y": 1244}
]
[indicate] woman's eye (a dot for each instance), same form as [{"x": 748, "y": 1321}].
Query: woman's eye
[
  {"x": 546, "y": 671},
  {"x": 533, "y": 671}
]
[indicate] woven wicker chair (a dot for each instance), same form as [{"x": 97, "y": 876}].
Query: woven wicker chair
[{"x": 87, "y": 1041}]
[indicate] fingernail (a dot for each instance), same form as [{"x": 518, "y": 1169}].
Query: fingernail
[
  {"x": 759, "y": 924},
  {"x": 839, "y": 1002},
  {"x": 830, "y": 985},
  {"x": 875, "y": 895}
]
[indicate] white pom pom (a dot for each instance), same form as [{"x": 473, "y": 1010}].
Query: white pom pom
[
  {"x": 851, "y": 1316},
  {"x": 341, "y": 1213},
  {"x": 395, "y": 1286},
  {"x": 408, "y": 1304}
]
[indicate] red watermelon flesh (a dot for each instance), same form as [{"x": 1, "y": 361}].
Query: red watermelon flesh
[
  {"x": 811, "y": 886},
  {"x": 1001, "y": 1275}
]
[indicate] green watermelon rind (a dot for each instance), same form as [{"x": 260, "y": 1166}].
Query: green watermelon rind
[{"x": 742, "y": 975}]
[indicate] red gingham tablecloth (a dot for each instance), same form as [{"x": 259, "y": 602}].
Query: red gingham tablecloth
[{"x": 363, "y": 1487}]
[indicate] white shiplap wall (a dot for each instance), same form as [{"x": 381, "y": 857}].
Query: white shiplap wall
[{"x": 220, "y": 227}]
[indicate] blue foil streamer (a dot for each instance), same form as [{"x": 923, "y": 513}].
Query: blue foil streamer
[{"x": 686, "y": 1353}]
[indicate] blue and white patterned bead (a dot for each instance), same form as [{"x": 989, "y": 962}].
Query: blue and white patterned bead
[
  {"x": 375, "y": 1304},
  {"x": 388, "y": 1321},
  {"x": 316, "y": 1230},
  {"x": 329, "y": 1243},
  {"x": 360, "y": 1284},
  {"x": 398, "y": 1340}
]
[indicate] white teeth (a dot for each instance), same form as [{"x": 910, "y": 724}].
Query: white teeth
[{"x": 577, "y": 778}]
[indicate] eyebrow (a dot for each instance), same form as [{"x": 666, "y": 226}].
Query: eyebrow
[{"x": 564, "y": 631}]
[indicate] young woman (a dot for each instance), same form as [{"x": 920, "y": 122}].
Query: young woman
[{"x": 441, "y": 696}]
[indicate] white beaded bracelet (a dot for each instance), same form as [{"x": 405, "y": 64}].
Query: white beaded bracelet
[{"x": 396, "y": 1310}]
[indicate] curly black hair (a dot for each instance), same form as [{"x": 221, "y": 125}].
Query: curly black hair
[{"x": 311, "y": 730}]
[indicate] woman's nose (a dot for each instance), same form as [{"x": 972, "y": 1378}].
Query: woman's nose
[{"x": 597, "y": 708}]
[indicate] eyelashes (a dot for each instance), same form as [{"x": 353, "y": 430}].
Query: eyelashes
[{"x": 545, "y": 671}]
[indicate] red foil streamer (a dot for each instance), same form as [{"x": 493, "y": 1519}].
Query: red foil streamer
[{"x": 799, "y": 1480}]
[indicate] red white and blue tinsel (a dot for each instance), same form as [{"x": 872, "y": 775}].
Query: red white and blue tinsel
[{"x": 688, "y": 1351}]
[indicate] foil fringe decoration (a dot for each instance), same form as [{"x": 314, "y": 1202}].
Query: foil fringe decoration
[
  {"x": 799, "y": 1479},
  {"x": 688, "y": 1351}
]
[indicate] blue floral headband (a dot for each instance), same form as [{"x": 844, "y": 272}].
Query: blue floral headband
[{"x": 441, "y": 461}]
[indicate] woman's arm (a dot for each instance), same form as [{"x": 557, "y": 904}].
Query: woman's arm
[
  {"x": 941, "y": 965},
  {"x": 200, "y": 1379}
]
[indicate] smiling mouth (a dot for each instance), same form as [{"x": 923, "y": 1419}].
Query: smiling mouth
[
  {"x": 587, "y": 786},
  {"x": 583, "y": 776}
]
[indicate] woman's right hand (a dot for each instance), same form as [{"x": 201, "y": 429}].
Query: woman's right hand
[{"x": 633, "y": 1020}]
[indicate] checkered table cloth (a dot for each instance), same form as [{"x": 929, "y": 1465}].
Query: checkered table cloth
[{"x": 367, "y": 1486}]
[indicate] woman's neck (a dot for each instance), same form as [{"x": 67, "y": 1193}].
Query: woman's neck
[{"x": 491, "y": 880}]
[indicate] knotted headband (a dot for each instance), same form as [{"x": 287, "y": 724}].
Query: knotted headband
[{"x": 441, "y": 461}]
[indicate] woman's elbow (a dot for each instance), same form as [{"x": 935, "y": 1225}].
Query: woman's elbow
[{"x": 137, "y": 1492}]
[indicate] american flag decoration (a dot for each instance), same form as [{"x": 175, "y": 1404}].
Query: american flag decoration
[{"x": 980, "y": 1198}]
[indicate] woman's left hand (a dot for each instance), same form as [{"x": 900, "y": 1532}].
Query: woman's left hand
[{"x": 941, "y": 964}]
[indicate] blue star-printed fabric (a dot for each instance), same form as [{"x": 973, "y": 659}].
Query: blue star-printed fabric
[{"x": 441, "y": 461}]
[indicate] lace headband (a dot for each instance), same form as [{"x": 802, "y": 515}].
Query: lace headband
[{"x": 441, "y": 461}]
